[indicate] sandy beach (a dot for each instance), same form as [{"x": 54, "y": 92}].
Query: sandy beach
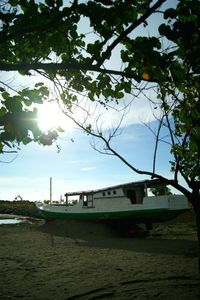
[{"x": 83, "y": 261}]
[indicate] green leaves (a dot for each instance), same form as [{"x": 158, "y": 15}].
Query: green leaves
[
  {"x": 2, "y": 111},
  {"x": 181, "y": 90},
  {"x": 170, "y": 13},
  {"x": 5, "y": 95},
  {"x": 50, "y": 2},
  {"x": 144, "y": 59},
  {"x": 186, "y": 117},
  {"x": 184, "y": 30},
  {"x": 18, "y": 118},
  {"x": 89, "y": 127},
  {"x": 13, "y": 2},
  {"x": 84, "y": 37},
  {"x": 95, "y": 49},
  {"x": 160, "y": 190},
  {"x": 47, "y": 139}
]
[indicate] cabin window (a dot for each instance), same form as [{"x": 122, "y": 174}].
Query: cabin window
[
  {"x": 109, "y": 193},
  {"x": 103, "y": 193},
  {"x": 114, "y": 192},
  {"x": 131, "y": 194},
  {"x": 84, "y": 199}
]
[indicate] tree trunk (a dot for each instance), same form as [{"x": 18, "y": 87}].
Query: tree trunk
[{"x": 195, "y": 200}]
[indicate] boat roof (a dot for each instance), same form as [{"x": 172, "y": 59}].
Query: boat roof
[{"x": 147, "y": 183}]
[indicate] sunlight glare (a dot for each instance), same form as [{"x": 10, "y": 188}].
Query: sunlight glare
[{"x": 50, "y": 117}]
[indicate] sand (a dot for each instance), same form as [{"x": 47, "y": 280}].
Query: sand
[{"x": 60, "y": 260}]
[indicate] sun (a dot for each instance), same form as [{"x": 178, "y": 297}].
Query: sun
[
  {"x": 51, "y": 117},
  {"x": 48, "y": 117}
]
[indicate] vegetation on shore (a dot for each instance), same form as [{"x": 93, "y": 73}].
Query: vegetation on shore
[{"x": 23, "y": 208}]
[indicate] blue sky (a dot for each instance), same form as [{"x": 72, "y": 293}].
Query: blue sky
[{"x": 77, "y": 166}]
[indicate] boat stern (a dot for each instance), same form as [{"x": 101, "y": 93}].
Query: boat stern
[{"x": 178, "y": 202}]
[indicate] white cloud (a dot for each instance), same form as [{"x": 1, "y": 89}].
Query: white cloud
[
  {"x": 88, "y": 169},
  {"x": 28, "y": 188},
  {"x": 130, "y": 110}
]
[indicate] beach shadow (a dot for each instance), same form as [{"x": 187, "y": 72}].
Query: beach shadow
[
  {"x": 102, "y": 236},
  {"x": 182, "y": 247}
]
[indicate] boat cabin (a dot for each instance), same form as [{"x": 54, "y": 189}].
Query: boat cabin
[{"x": 132, "y": 193}]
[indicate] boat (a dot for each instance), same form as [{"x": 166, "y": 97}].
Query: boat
[{"x": 125, "y": 203}]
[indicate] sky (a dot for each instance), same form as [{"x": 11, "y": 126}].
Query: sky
[{"x": 77, "y": 166}]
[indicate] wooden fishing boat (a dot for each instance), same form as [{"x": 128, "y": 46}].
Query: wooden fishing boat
[{"x": 128, "y": 203}]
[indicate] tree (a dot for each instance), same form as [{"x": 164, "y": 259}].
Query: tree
[
  {"x": 18, "y": 124},
  {"x": 160, "y": 190},
  {"x": 48, "y": 39},
  {"x": 32, "y": 34}
]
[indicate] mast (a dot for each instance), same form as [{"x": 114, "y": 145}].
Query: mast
[{"x": 50, "y": 190}]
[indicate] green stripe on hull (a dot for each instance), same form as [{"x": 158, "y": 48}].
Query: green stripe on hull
[{"x": 154, "y": 215}]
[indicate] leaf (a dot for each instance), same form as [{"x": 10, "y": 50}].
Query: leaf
[
  {"x": 38, "y": 84},
  {"x": 163, "y": 29},
  {"x": 194, "y": 143},
  {"x": 127, "y": 87},
  {"x": 120, "y": 95},
  {"x": 89, "y": 127},
  {"x": 49, "y": 2},
  {"x": 5, "y": 95},
  {"x": 59, "y": 3},
  {"x": 27, "y": 102},
  {"x": 2, "y": 112},
  {"x": 13, "y": 2},
  {"x": 170, "y": 13},
  {"x": 73, "y": 32},
  {"x": 59, "y": 129},
  {"x": 27, "y": 140},
  {"x": 145, "y": 76}
]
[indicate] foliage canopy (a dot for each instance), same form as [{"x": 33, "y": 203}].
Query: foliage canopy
[
  {"x": 74, "y": 44},
  {"x": 160, "y": 190},
  {"x": 105, "y": 62}
]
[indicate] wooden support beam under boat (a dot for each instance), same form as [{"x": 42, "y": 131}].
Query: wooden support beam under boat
[{"x": 66, "y": 200}]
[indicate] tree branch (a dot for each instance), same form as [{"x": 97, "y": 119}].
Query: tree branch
[
  {"x": 10, "y": 161},
  {"x": 129, "y": 30},
  {"x": 54, "y": 67},
  {"x": 156, "y": 145}
]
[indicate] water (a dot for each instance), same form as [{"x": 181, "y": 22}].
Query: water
[
  {"x": 9, "y": 221},
  {"x": 6, "y": 219}
]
